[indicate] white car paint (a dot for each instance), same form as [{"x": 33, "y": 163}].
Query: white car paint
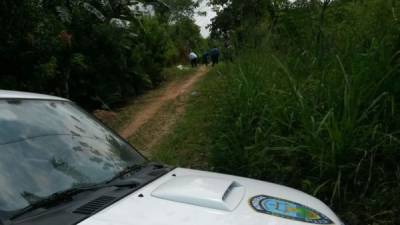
[
  {"x": 194, "y": 197},
  {"x": 223, "y": 194},
  {"x": 27, "y": 95}
]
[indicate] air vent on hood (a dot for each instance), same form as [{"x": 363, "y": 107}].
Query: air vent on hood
[
  {"x": 202, "y": 191},
  {"x": 94, "y": 205}
]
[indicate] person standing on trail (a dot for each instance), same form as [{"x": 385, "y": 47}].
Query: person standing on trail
[
  {"x": 205, "y": 58},
  {"x": 193, "y": 59},
  {"x": 214, "y": 56}
]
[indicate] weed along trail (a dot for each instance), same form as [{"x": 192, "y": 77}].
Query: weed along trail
[{"x": 157, "y": 113}]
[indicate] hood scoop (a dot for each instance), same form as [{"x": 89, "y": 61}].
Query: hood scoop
[{"x": 206, "y": 192}]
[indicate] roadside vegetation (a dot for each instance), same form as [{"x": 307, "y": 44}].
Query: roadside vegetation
[
  {"x": 98, "y": 53},
  {"x": 311, "y": 101}
]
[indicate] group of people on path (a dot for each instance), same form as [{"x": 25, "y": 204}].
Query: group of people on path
[{"x": 212, "y": 55}]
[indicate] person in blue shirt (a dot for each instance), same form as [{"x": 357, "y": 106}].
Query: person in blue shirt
[
  {"x": 214, "y": 53},
  {"x": 205, "y": 58}
]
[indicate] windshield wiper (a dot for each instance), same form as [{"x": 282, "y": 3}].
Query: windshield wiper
[
  {"x": 66, "y": 195},
  {"x": 127, "y": 170},
  {"x": 53, "y": 199}
]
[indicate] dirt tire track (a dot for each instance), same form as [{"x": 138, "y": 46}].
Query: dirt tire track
[{"x": 152, "y": 109}]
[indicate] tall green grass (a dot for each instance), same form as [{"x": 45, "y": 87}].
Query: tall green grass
[
  {"x": 326, "y": 121},
  {"x": 332, "y": 133}
]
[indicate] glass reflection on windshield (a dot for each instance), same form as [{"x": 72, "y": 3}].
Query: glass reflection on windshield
[{"x": 51, "y": 146}]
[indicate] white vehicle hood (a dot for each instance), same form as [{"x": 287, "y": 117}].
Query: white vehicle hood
[{"x": 191, "y": 197}]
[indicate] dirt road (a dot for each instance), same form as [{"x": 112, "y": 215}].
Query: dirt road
[{"x": 156, "y": 115}]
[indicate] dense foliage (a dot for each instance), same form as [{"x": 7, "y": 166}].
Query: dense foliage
[
  {"x": 313, "y": 101},
  {"x": 94, "y": 51}
]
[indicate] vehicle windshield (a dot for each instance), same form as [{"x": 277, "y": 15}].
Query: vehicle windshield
[{"x": 52, "y": 146}]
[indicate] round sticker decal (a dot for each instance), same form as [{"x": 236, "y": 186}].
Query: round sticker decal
[{"x": 288, "y": 209}]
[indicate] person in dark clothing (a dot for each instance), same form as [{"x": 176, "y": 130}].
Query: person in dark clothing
[
  {"x": 214, "y": 56},
  {"x": 205, "y": 58}
]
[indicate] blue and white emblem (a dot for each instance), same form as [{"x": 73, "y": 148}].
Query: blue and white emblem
[{"x": 288, "y": 209}]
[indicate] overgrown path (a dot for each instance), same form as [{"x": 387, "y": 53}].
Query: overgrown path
[{"x": 158, "y": 112}]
